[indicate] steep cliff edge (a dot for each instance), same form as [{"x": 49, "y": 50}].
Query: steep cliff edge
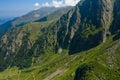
[{"x": 88, "y": 24}]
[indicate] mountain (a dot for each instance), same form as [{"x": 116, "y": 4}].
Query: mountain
[
  {"x": 55, "y": 15},
  {"x": 31, "y": 16},
  {"x": 82, "y": 44},
  {"x": 88, "y": 23},
  {"x": 34, "y": 15},
  {"x": 19, "y": 38}
]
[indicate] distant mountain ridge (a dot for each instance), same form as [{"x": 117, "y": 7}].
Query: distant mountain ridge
[{"x": 31, "y": 16}]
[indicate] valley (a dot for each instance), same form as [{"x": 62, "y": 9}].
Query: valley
[{"x": 70, "y": 43}]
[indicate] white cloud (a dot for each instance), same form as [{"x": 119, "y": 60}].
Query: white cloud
[
  {"x": 36, "y": 4},
  {"x": 71, "y": 2},
  {"x": 60, "y": 3},
  {"x": 56, "y": 3},
  {"x": 46, "y": 4}
]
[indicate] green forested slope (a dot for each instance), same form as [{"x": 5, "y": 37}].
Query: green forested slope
[{"x": 84, "y": 44}]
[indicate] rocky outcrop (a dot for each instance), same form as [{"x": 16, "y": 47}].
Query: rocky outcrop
[
  {"x": 88, "y": 24},
  {"x": 10, "y": 45},
  {"x": 115, "y": 26}
]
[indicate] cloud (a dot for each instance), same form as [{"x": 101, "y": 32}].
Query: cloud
[
  {"x": 60, "y": 3},
  {"x": 46, "y": 4},
  {"x": 56, "y": 3},
  {"x": 71, "y": 2},
  {"x": 36, "y": 4}
]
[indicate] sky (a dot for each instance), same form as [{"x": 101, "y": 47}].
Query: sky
[{"x": 14, "y": 8}]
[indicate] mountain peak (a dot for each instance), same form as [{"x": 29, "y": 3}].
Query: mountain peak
[{"x": 88, "y": 24}]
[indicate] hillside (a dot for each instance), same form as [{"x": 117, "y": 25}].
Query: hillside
[
  {"x": 75, "y": 46},
  {"x": 27, "y": 37},
  {"x": 89, "y": 30},
  {"x": 31, "y": 16},
  {"x": 101, "y": 62}
]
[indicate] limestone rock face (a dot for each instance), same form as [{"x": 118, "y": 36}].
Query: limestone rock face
[
  {"x": 115, "y": 25},
  {"x": 88, "y": 24}
]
